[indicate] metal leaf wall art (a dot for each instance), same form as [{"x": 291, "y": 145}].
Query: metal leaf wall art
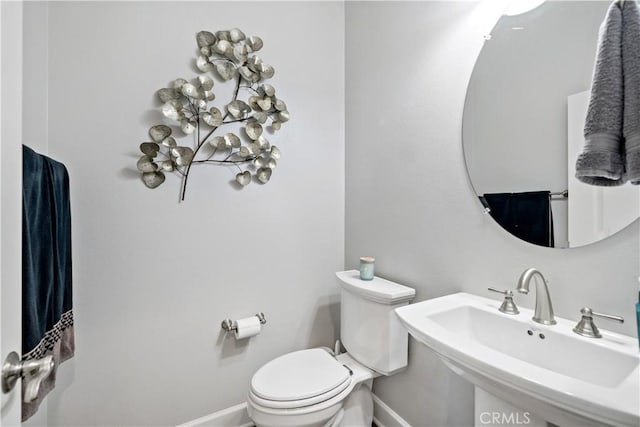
[{"x": 226, "y": 56}]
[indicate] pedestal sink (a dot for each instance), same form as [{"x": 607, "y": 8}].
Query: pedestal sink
[{"x": 551, "y": 371}]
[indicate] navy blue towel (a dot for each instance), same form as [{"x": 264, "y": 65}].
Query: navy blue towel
[
  {"x": 47, "y": 316},
  {"x": 525, "y": 215}
]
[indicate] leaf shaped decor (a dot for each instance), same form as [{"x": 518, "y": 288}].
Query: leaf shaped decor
[
  {"x": 226, "y": 70},
  {"x": 203, "y": 64},
  {"x": 146, "y": 164},
  {"x": 205, "y": 39},
  {"x": 159, "y": 132},
  {"x": 150, "y": 148},
  {"x": 264, "y": 175},
  {"x": 253, "y": 130},
  {"x": 243, "y": 178},
  {"x": 153, "y": 179},
  {"x": 195, "y": 131}
]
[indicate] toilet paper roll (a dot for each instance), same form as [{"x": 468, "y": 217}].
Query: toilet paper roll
[{"x": 247, "y": 327}]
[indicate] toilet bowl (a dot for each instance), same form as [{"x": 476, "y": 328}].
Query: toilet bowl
[
  {"x": 314, "y": 388},
  {"x": 311, "y": 388}
]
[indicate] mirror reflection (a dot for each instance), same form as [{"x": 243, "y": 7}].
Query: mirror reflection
[{"x": 523, "y": 128}]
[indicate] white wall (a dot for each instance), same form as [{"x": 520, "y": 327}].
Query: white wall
[
  {"x": 410, "y": 204},
  {"x": 11, "y": 132},
  {"x": 153, "y": 279},
  {"x": 35, "y": 94},
  {"x": 35, "y": 90}
]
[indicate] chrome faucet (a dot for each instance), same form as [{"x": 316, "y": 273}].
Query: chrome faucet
[{"x": 543, "y": 311}]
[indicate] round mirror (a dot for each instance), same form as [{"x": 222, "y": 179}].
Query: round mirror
[{"x": 523, "y": 128}]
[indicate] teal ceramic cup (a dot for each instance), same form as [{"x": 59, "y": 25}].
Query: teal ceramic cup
[{"x": 367, "y": 267}]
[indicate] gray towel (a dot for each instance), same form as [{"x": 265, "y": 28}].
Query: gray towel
[
  {"x": 631, "y": 70},
  {"x": 601, "y": 161}
]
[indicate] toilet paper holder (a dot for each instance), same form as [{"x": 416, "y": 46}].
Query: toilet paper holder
[{"x": 231, "y": 325}]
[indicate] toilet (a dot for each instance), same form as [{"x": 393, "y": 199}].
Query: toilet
[{"x": 313, "y": 387}]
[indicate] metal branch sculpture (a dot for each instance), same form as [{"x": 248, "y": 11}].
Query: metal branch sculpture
[{"x": 230, "y": 56}]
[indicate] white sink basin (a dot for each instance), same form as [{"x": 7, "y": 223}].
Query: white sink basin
[{"x": 592, "y": 378}]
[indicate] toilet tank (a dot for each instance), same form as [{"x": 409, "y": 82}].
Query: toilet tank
[{"x": 369, "y": 329}]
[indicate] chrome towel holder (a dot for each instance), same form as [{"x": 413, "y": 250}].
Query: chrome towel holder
[{"x": 231, "y": 325}]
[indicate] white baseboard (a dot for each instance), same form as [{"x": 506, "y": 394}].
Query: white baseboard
[
  {"x": 384, "y": 416},
  {"x": 236, "y": 416}
]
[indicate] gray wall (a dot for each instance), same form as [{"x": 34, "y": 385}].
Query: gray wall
[
  {"x": 409, "y": 202},
  {"x": 153, "y": 278},
  {"x": 35, "y": 98},
  {"x": 11, "y": 133}
]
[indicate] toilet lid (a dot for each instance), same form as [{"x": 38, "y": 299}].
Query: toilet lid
[{"x": 300, "y": 375}]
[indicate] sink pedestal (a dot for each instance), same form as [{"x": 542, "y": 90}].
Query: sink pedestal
[
  {"x": 548, "y": 370},
  {"x": 490, "y": 396},
  {"x": 493, "y": 411}
]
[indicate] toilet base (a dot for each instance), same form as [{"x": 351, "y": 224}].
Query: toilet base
[
  {"x": 319, "y": 418},
  {"x": 352, "y": 407},
  {"x": 355, "y": 410},
  {"x": 358, "y": 407}
]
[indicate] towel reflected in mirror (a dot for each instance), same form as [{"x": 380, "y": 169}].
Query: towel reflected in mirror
[{"x": 527, "y": 215}]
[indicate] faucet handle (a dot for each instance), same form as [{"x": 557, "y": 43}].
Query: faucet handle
[
  {"x": 587, "y": 327},
  {"x": 508, "y": 306},
  {"x": 505, "y": 292}
]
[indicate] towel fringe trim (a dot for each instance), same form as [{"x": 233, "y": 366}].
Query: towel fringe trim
[{"x": 47, "y": 343}]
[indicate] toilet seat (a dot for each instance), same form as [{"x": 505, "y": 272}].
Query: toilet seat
[{"x": 299, "y": 379}]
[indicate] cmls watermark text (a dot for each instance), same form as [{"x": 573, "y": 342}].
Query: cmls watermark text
[{"x": 505, "y": 418}]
